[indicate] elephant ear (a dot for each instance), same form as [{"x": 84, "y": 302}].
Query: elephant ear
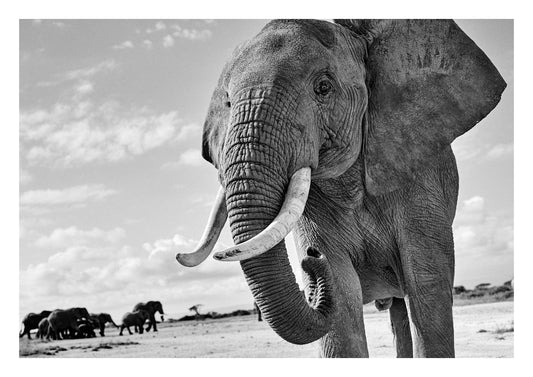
[
  {"x": 428, "y": 84},
  {"x": 218, "y": 114}
]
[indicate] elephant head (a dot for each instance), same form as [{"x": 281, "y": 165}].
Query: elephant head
[
  {"x": 307, "y": 100},
  {"x": 156, "y": 306},
  {"x": 105, "y": 318},
  {"x": 79, "y": 313}
]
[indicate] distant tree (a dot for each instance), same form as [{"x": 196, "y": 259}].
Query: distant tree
[
  {"x": 196, "y": 309},
  {"x": 459, "y": 289},
  {"x": 483, "y": 286}
]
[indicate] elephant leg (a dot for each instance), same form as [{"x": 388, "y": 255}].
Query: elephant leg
[
  {"x": 129, "y": 330},
  {"x": 102, "y": 328},
  {"x": 428, "y": 264},
  {"x": 121, "y": 329},
  {"x": 151, "y": 322},
  {"x": 347, "y": 336},
  {"x": 400, "y": 328}
]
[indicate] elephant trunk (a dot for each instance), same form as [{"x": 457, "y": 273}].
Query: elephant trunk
[{"x": 256, "y": 179}]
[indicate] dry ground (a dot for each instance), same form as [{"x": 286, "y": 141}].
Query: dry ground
[{"x": 482, "y": 330}]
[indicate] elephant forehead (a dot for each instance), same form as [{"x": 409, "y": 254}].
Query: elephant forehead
[{"x": 280, "y": 52}]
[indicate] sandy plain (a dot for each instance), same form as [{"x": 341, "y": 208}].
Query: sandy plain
[{"x": 481, "y": 330}]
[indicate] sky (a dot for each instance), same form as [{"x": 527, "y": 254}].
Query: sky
[{"x": 112, "y": 183}]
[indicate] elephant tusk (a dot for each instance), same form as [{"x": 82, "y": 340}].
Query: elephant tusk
[
  {"x": 291, "y": 210},
  {"x": 217, "y": 219}
]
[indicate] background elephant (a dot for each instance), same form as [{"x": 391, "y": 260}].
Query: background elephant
[
  {"x": 64, "y": 323},
  {"x": 31, "y": 321},
  {"x": 85, "y": 328},
  {"x": 100, "y": 321},
  {"x": 151, "y": 307},
  {"x": 43, "y": 329},
  {"x": 136, "y": 319},
  {"x": 341, "y": 132}
]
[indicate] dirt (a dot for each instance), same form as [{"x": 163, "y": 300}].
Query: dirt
[{"x": 483, "y": 330}]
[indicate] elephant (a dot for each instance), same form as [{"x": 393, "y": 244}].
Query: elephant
[
  {"x": 43, "y": 329},
  {"x": 341, "y": 133},
  {"x": 100, "y": 321},
  {"x": 65, "y": 322},
  {"x": 85, "y": 328},
  {"x": 151, "y": 307},
  {"x": 31, "y": 321},
  {"x": 136, "y": 319}
]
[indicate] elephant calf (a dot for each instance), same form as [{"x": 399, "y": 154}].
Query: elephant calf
[
  {"x": 136, "y": 319},
  {"x": 43, "y": 329},
  {"x": 100, "y": 321}
]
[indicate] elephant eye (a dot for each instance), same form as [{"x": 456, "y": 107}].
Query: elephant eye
[{"x": 323, "y": 88}]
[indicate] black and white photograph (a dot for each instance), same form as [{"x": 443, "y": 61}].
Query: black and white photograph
[{"x": 266, "y": 188}]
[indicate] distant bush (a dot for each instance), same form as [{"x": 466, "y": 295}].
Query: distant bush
[
  {"x": 459, "y": 289},
  {"x": 215, "y": 315},
  {"x": 482, "y": 293},
  {"x": 499, "y": 289}
]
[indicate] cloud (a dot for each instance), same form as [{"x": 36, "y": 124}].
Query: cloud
[
  {"x": 147, "y": 44},
  {"x": 191, "y": 34},
  {"x": 67, "y": 196},
  {"x": 180, "y": 32},
  {"x": 168, "y": 41},
  {"x": 84, "y": 87},
  {"x": 500, "y": 151},
  {"x": 159, "y": 25},
  {"x": 123, "y": 45},
  {"x": 81, "y": 75},
  {"x": 485, "y": 152},
  {"x": 480, "y": 233},
  {"x": 79, "y": 132},
  {"x": 72, "y": 236},
  {"x": 24, "y": 177},
  {"x": 102, "y": 67},
  {"x": 107, "y": 276},
  {"x": 191, "y": 157}
]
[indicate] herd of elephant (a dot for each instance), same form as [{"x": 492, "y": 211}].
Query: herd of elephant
[{"x": 79, "y": 323}]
